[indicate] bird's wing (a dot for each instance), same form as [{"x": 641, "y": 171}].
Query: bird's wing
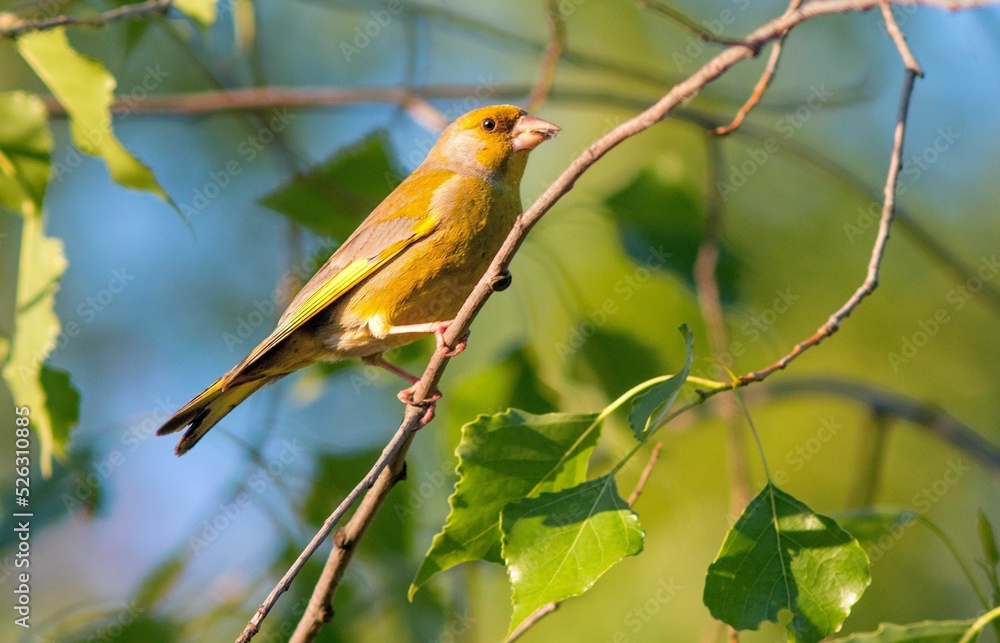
[{"x": 387, "y": 232}]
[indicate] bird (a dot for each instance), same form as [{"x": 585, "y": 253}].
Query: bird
[{"x": 402, "y": 274}]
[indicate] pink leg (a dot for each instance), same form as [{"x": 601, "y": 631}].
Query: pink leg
[
  {"x": 438, "y": 328},
  {"x": 406, "y": 395}
]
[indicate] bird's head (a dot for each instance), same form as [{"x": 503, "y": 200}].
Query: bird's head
[{"x": 492, "y": 142}]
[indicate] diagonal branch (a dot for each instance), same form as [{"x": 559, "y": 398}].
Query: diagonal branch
[
  {"x": 395, "y": 452},
  {"x": 15, "y": 27}
]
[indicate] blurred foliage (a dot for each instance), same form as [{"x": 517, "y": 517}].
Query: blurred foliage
[{"x": 599, "y": 288}]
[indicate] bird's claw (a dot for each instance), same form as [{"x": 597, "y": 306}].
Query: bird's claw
[
  {"x": 429, "y": 404},
  {"x": 443, "y": 349}
]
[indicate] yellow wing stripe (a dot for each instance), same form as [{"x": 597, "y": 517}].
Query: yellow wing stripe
[{"x": 352, "y": 275}]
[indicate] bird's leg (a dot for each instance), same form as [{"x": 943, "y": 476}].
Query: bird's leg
[
  {"x": 438, "y": 328},
  {"x": 406, "y": 395}
]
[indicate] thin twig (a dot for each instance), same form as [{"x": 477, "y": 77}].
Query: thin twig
[
  {"x": 892, "y": 28},
  {"x": 389, "y": 455},
  {"x": 644, "y": 476},
  {"x": 129, "y": 11},
  {"x": 548, "y": 608},
  {"x": 550, "y": 56},
  {"x": 878, "y": 250},
  {"x": 763, "y": 83},
  {"x": 710, "y": 303},
  {"x": 564, "y": 183},
  {"x": 319, "y": 611},
  {"x": 701, "y": 32}
]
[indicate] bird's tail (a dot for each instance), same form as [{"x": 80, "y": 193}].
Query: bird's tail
[{"x": 203, "y": 412}]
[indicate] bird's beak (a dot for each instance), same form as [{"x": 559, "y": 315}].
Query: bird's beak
[{"x": 529, "y": 132}]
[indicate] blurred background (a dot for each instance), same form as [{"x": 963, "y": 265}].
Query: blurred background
[{"x": 131, "y": 543}]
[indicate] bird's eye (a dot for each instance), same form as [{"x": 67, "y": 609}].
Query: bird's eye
[{"x": 489, "y": 124}]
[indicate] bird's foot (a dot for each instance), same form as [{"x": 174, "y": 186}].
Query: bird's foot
[{"x": 429, "y": 405}]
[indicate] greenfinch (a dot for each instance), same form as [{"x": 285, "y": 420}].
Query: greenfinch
[{"x": 403, "y": 274}]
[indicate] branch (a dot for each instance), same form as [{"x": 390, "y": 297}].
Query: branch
[
  {"x": 15, "y": 27},
  {"x": 710, "y": 303},
  {"x": 868, "y": 286},
  {"x": 688, "y": 23},
  {"x": 396, "y": 450},
  {"x": 550, "y": 57},
  {"x": 763, "y": 83}
]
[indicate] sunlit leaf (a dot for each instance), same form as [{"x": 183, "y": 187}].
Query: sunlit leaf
[
  {"x": 925, "y": 632},
  {"x": 332, "y": 198},
  {"x": 780, "y": 555},
  {"x": 649, "y": 409},
  {"x": 85, "y": 88},
  {"x": 25, "y": 145},
  {"x": 504, "y": 458},
  {"x": 201, "y": 11},
  {"x": 557, "y": 545},
  {"x": 36, "y": 327}
]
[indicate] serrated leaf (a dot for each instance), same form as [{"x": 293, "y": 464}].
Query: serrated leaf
[
  {"x": 85, "y": 88},
  {"x": 202, "y": 12},
  {"x": 649, "y": 409},
  {"x": 924, "y": 632},
  {"x": 333, "y": 197},
  {"x": 36, "y": 327},
  {"x": 557, "y": 545},
  {"x": 504, "y": 458},
  {"x": 25, "y": 146},
  {"x": 780, "y": 555}
]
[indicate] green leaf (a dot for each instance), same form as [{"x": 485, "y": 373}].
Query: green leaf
[
  {"x": 558, "y": 544},
  {"x": 36, "y": 327},
  {"x": 780, "y": 555},
  {"x": 25, "y": 145},
  {"x": 62, "y": 402},
  {"x": 659, "y": 213},
  {"x": 503, "y": 458},
  {"x": 649, "y": 409},
  {"x": 988, "y": 540},
  {"x": 85, "y": 88},
  {"x": 202, "y": 12},
  {"x": 332, "y": 198},
  {"x": 925, "y": 632}
]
